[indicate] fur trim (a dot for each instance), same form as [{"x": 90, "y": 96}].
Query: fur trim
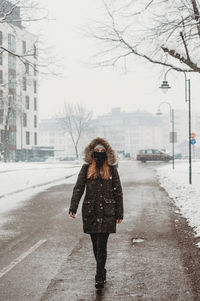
[{"x": 88, "y": 152}]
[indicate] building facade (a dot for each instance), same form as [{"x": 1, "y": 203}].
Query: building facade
[
  {"x": 127, "y": 132},
  {"x": 130, "y": 132},
  {"x": 51, "y": 135},
  {"x": 18, "y": 88}
]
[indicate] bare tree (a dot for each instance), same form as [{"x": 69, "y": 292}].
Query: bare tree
[
  {"x": 163, "y": 32},
  {"x": 75, "y": 121},
  {"x": 16, "y": 14},
  {"x": 10, "y": 107}
]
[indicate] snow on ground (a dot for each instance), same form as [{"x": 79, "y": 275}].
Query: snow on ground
[
  {"x": 185, "y": 196},
  {"x": 20, "y": 181}
]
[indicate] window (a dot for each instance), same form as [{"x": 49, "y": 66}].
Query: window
[
  {"x": 11, "y": 42},
  {"x": 23, "y": 47},
  {"x": 34, "y": 51},
  {"x": 27, "y": 67},
  {"x": 11, "y": 100},
  {"x": 11, "y": 79},
  {"x": 27, "y": 138},
  {"x": 1, "y": 115},
  {"x": 35, "y": 121},
  {"x": 35, "y": 104},
  {"x": 11, "y": 61},
  {"x": 1, "y": 77},
  {"x": 27, "y": 103},
  {"x": 156, "y": 152},
  {"x": 1, "y": 107},
  {"x": 1, "y": 38},
  {"x": 35, "y": 138},
  {"x": 35, "y": 70},
  {"x": 35, "y": 86},
  {"x": 1, "y": 58},
  {"x": 24, "y": 84},
  {"x": 24, "y": 119}
]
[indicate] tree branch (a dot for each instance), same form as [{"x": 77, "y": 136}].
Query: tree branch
[
  {"x": 185, "y": 45},
  {"x": 174, "y": 54}
]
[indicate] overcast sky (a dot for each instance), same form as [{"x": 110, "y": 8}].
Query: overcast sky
[{"x": 100, "y": 89}]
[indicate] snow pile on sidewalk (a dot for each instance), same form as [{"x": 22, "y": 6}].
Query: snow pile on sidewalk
[
  {"x": 185, "y": 196},
  {"x": 20, "y": 181}
]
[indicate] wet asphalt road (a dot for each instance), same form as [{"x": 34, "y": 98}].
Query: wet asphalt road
[{"x": 62, "y": 267}]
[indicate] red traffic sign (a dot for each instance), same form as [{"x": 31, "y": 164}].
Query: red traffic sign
[{"x": 193, "y": 135}]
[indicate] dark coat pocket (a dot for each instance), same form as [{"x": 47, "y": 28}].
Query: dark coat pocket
[
  {"x": 87, "y": 208},
  {"x": 109, "y": 207}
]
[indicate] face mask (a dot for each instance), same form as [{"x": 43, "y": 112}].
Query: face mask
[{"x": 100, "y": 157}]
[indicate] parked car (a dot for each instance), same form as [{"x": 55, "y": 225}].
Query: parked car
[{"x": 153, "y": 155}]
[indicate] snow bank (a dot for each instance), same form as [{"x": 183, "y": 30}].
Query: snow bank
[
  {"x": 20, "y": 181},
  {"x": 185, "y": 196}
]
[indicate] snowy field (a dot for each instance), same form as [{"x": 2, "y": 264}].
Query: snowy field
[
  {"x": 20, "y": 181},
  {"x": 185, "y": 196}
]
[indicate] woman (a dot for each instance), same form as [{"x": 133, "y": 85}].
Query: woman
[{"x": 103, "y": 203}]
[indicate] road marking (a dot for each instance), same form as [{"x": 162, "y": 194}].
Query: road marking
[{"x": 21, "y": 257}]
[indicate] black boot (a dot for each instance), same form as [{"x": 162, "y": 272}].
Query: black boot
[{"x": 99, "y": 281}]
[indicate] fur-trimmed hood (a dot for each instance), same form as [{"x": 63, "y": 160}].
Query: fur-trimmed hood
[{"x": 89, "y": 150}]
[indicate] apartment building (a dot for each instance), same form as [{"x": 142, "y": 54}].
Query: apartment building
[
  {"x": 127, "y": 132},
  {"x": 18, "y": 87},
  {"x": 130, "y": 131}
]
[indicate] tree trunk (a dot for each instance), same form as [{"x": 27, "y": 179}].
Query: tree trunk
[
  {"x": 196, "y": 15},
  {"x": 5, "y": 144},
  {"x": 76, "y": 151}
]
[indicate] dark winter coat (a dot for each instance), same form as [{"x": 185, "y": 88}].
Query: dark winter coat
[{"x": 103, "y": 201}]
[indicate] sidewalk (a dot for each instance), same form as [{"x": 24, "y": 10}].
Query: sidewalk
[{"x": 151, "y": 269}]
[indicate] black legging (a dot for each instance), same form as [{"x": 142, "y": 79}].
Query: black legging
[{"x": 99, "y": 241}]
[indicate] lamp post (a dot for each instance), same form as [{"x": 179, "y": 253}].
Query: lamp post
[
  {"x": 165, "y": 87},
  {"x": 172, "y": 122}
]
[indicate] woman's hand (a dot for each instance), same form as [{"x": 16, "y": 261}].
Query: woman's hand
[
  {"x": 118, "y": 221},
  {"x": 73, "y": 215}
]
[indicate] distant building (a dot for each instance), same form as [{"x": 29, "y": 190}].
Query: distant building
[
  {"x": 129, "y": 132},
  {"x": 18, "y": 85},
  {"x": 51, "y": 135}
]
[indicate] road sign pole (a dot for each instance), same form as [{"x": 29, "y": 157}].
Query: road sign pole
[
  {"x": 194, "y": 151},
  {"x": 190, "y": 145},
  {"x": 172, "y": 112}
]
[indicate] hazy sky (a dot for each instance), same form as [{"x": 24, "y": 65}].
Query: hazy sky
[{"x": 100, "y": 89}]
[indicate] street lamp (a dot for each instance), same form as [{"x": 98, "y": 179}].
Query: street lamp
[
  {"x": 165, "y": 87},
  {"x": 172, "y": 122}
]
